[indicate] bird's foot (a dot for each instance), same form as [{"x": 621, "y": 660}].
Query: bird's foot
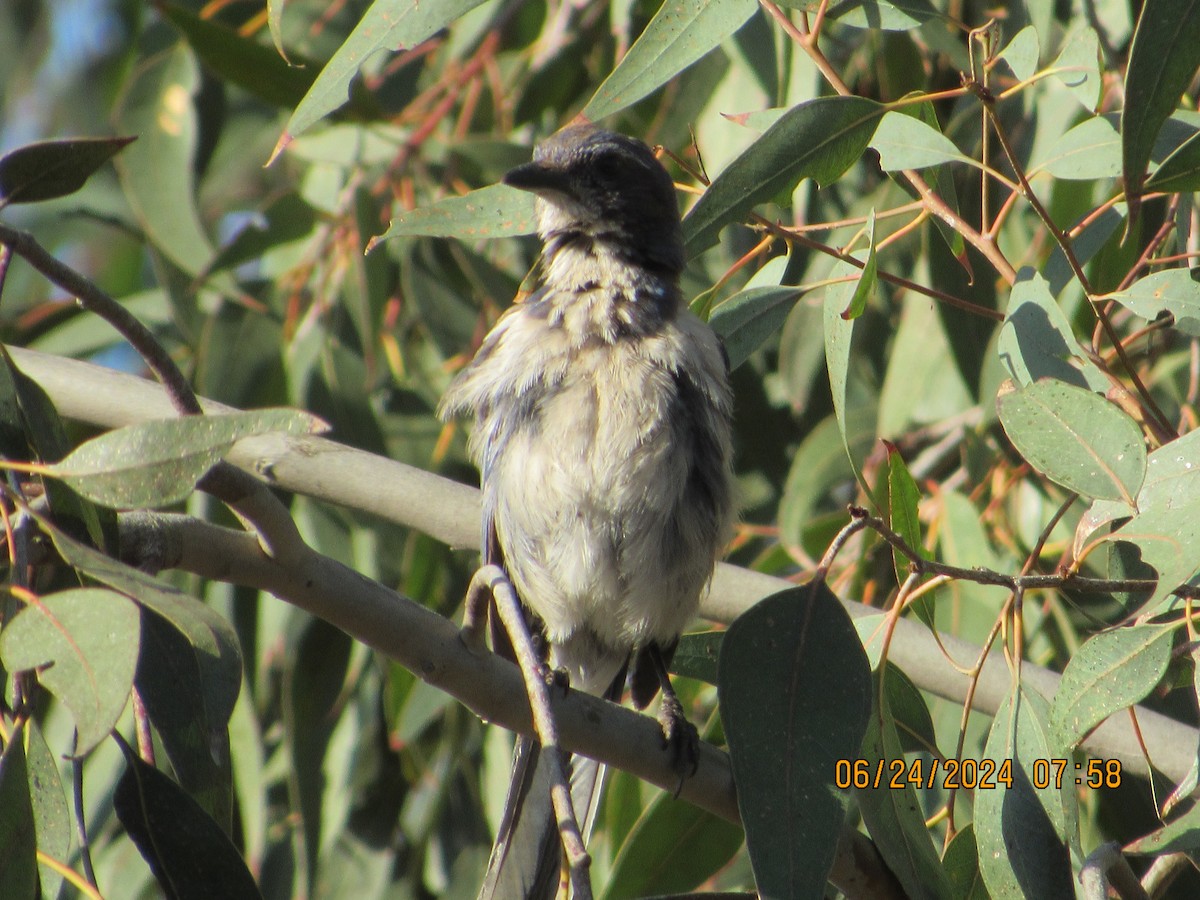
[
  {"x": 680, "y": 737},
  {"x": 556, "y": 679}
]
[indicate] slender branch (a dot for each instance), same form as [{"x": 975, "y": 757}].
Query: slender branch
[{"x": 95, "y": 300}]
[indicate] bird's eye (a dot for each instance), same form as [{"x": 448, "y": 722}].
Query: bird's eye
[{"x": 607, "y": 167}]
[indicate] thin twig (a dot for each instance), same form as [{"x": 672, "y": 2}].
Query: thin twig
[{"x": 95, "y": 300}]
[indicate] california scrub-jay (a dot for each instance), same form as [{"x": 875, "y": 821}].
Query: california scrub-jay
[{"x": 602, "y": 414}]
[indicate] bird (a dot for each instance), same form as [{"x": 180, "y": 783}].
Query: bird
[{"x": 603, "y": 434}]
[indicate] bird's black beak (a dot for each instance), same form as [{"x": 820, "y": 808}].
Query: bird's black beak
[{"x": 538, "y": 178}]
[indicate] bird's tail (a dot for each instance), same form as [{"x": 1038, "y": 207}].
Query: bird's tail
[{"x": 526, "y": 860}]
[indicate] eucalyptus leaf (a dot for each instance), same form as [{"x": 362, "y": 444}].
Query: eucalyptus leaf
[
  {"x": 84, "y": 642},
  {"x": 158, "y": 463},
  {"x": 1076, "y": 438},
  {"x": 49, "y": 169}
]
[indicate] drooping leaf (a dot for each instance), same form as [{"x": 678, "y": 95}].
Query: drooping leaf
[
  {"x": 785, "y": 743},
  {"x": 839, "y": 333},
  {"x": 85, "y": 644},
  {"x": 893, "y": 814},
  {"x": 672, "y": 848},
  {"x": 1020, "y": 830},
  {"x": 18, "y": 834},
  {"x": 903, "y": 497},
  {"x": 679, "y": 34},
  {"x": 1111, "y": 671},
  {"x": 49, "y": 169},
  {"x": 1162, "y": 62},
  {"x": 1179, "y": 172},
  {"x": 190, "y": 855},
  {"x": 51, "y": 815},
  {"x": 157, "y": 171},
  {"x": 819, "y": 139},
  {"x": 1076, "y": 438},
  {"x": 158, "y": 463}
]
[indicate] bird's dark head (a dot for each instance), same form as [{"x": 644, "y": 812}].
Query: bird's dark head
[{"x": 604, "y": 191}]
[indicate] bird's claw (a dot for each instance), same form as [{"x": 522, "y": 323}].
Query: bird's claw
[{"x": 680, "y": 737}]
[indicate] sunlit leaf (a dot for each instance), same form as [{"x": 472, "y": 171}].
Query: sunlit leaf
[{"x": 679, "y": 34}]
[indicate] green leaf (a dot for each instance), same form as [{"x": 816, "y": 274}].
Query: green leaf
[
  {"x": 49, "y": 169},
  {"x": 1078, "y": 67},
  {"x": 865, "y": 287},
  {"x": 819, "y": 139},
  {"x": 492, "y": 212},
  {"x": 961, "y": 860},
  {"x": 1112, "y": 671},
  {"x": 158, "y": 463},
  {"x": 673, "y": 848},
  {"x": 252, "y": 66},
  {"x": 747, "y": 319},
  {"x": 1036, "y": 340},
  {"x": 785, "y": 743},
  {"x": 1090, "y": 150},
  {"x": 697, "y": 656},
  {"x": 85, "y": 644},
  {"x": 1180, "y": 171},
  {"x": 18, "y": 835},
  {"x": 906, "y": 142},
  {"x": 1162, "y": 62},
  {"x": 388, "y": 25},
  {"x": 1166, "y": 528},
  {"x": 1180, "y": 835},
  {"x": 156, "y": 172},
  {"x": 1076, "y": 438},
  {"x": 839, "y": 333},
  {"x": 1176, "y": 291},
  {"x": 51, "y": 815},
  {"x": 893, "y": 816},
  {"x": 885, "y": 15},
  {"x": 903, "y": 498},
  {"x": 1022, "y": 53},
  {"x": 679, "y": 34},
  {"x": 190, "y": 855},
  {"x": 1020, "y": 830}
]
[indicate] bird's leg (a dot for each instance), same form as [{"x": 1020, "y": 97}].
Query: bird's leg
[
  {"x": 475, "y": 607},
  {"x": 510, "y": 612},
  {"x": 679, "y": 734}
]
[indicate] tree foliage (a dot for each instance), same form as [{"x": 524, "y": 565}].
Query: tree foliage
[{"x": 948, "y": 247}]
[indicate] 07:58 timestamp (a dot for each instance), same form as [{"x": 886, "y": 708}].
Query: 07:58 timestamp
[{"x": 971, "y": 774}]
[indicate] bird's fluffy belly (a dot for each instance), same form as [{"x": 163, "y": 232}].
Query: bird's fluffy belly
[{"x": 594, "y": 546}]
